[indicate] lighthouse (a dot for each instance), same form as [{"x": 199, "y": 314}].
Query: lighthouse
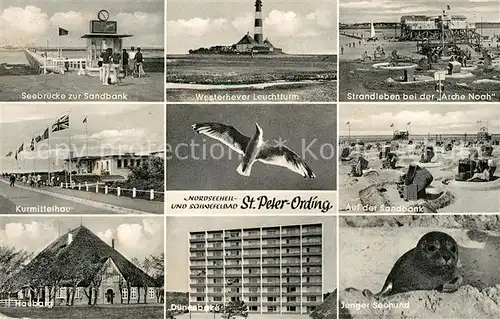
[{"x": 258, "y": 34}]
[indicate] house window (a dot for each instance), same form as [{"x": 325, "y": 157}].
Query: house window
[
  {"x": 119, "y": 163},
  {"x": 62, "y": 293},
  {"x": 107, "y": 165},
  {"x": 124, "y": 293},
  {"x": 253, "y": 298},
  {"x": 133, "y": 293},
  {"x": 98, "y": 293},
  {"x": 151, "y": 292},
  {"x": 271, "y": 308},
  {"x": 217, "y": 298},
  {"x": 125, "y": 162},
  {"x": 291, "y": 308},
  {"x": 131, "y": 162},
  {"x": 253, "y": 308},
  {"x": 77, "y": 293}
]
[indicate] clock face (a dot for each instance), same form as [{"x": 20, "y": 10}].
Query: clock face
[{"x": 103, "y": 15}]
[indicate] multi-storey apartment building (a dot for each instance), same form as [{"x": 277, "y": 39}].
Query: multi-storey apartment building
[{"x": 272, "y": 269}]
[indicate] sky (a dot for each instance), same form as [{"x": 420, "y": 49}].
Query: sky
[
  {"x": 178, "y": 229},
  {"x": 28, "y": 22},
  {"x": 293, "y": 25},
  {"x": 136, "y": 237},
  {"x": 112, "y": 129},
  {"x": 375, "y": 119},
  {"x": 356, "y": 11}
]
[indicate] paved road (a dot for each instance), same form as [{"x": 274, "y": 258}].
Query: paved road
[{"x": 48, "y": 200}]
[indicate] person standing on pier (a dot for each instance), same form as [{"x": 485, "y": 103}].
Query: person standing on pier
[
  {"x": 131, "y": 61},
  {"x": 125, "y": 61},
  {"x": 107, "y": 65},
  {"x": 139, "y": 60}
]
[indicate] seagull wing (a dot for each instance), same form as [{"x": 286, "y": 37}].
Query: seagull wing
[
  {"x": 225, "y": 134},
  {"x": 285, "y": 157}
]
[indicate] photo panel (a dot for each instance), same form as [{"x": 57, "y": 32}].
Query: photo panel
[
  {"x": 251, "y": 51},
  {"x": 419, "y": 158},
  {"x": 273, "y": 158},
  {"x": 425, "y": 51},
  {"x": 91, "y": 51},
  {"x": 264, "y": 267},
  {"x": 82, "y": 159},
  {"x": 82, "y": 267},
  {"x": 442, "y": 266}
]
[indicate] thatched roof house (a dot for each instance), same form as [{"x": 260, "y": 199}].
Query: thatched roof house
[{"x": 80, "y": 261}]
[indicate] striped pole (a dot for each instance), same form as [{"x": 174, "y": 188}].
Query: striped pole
[{"x": 258, "y": 34}]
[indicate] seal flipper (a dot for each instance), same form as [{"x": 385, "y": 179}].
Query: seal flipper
[
  {"x": 452, "y": 285},
  {"x": 386, "y": 290}
]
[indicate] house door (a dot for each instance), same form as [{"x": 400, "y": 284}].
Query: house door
[{"x": 109, "y": 296}]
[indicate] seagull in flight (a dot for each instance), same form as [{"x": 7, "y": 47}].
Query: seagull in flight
[{"x": 254, "y": 149}]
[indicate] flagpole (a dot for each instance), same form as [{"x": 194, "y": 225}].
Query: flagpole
[
  {"x": 48, "y": 138},
  {"x": 349, "y": 131},
  {"x": 87, "y": 133},
  {"x": 58, "y": 46},
  {"x": 69, "y": 140}
]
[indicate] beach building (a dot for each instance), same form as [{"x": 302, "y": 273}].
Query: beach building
[
  {"x": 454, "y": 28},
  {"x": 108, "y": 167},
  {"x": 79, "y": 268},
  {"x": 271, "y": 269}
]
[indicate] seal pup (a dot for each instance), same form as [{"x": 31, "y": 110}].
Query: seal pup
[
  {"x": 431, "y": 265},
  {"x": 254, "y": 149}
]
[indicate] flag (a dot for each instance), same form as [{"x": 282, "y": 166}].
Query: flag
[
  {"x": 61, "y": 124},
  {"x": 38, "y": 138},
  {"x": 347, "y": 123},
  {"x": 84, "y": 120},
  {"x": 32, "y": 146},
  {"x": 15, "y": 156},
  {"x": 408, "y": 123},
  {"x": 392, "y": 125},
  {"x": 21, "y": 148},
  {"x": 45, "y": 134},
  {"x": 9, "y": 154},
  {"x": 448, "y": 7},
  {"x": 63, "y": 32}
]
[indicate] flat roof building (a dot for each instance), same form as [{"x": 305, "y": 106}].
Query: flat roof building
[{"x": 276, "y": 269}]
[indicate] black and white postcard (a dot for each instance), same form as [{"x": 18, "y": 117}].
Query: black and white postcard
[
  {"x": 426, "y": 158},
  {"x": 251, "y": 51},
  {"x": 81, "y": 159},
  {"x": 92, "y": 51},
  {"x": 82, "y": 267},
  {"x": 239, "y": 267},
  {"x": 419, "y": 51},
  {"x": 251, "y": 147},
  {"x": 419, "y": 266}
]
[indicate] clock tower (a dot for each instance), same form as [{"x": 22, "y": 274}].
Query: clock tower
[{"x": 103, "y": 34}]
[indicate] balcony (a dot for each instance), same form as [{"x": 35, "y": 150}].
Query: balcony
[
  {"x": 252, "y": 236},
  {"x": 233, "y": 238},
  {"x": 312, "y": 253},
  {"x": 214, "y": 257},
  {"x": 214, "y": 239},
  {"x": 251, "y": 265},
  {"x": 214, "y": 266},
  {"x": 232, "y": 247},
  {"x": 310, "y": 243},
  {"x": 231, "y": 256},
  {"x": 233, "y": 266},
  {"x": 249, "y": 246},
  {"x": 291, "y": 254},
  {"x": 290, "y": 234},
  {"x": 233, "y": 275},
  {"x": 197, "y": 294},
  {"x": 270, "y": 284},
  {"x": 196, "y": 257},
  {"x": 290, "y": 245},
  {"x": 251, "y": 284},
  {"x": 197, "y": 267},
  {"x": 194, "y": 249},
  {"x": 310, "y": 284},
  {"x": 252, "y": 275},
  {"x": 209, "y": 248},
  {"x": 197, "y": 240}
]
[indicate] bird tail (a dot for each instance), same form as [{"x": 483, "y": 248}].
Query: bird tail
[{"x": 244, "y": 169}]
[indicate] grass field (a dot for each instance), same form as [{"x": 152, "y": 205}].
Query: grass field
[
  {"x": 108, "y": 312},
  {"x": 320, "y": 70}
]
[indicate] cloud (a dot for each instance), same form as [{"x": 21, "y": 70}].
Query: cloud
[
  {"x": 30, "y": 25},
  {"x": 195, "y": 27}
]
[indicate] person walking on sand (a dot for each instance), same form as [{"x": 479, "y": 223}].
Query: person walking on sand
[
  {"x": 131, "y": 61},
  {"x": 106, "y": 64}
]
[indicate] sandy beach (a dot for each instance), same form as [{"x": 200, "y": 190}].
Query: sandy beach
[
  {"x": 360, "y": 78},
  {"x": 441, "y": 197},
  {"x": 366, "y": 262}
]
